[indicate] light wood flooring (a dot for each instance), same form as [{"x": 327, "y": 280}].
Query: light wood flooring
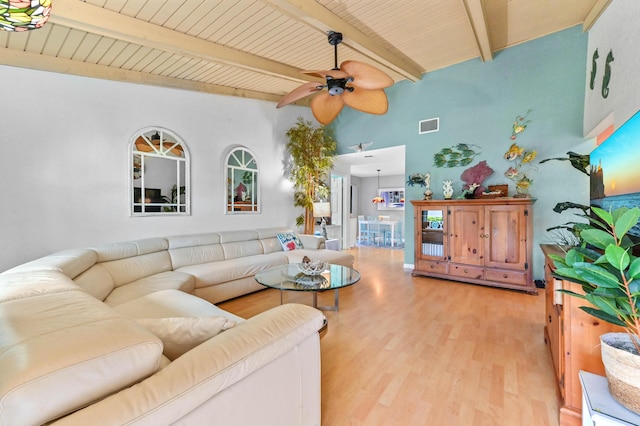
[{"x": 406, "y": 350}]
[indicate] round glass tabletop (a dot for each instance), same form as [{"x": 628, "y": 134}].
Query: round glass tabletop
[{"x": 290, "y": 277}]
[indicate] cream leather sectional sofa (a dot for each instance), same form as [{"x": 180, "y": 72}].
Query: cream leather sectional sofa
[{"x": 128, "y": 333}]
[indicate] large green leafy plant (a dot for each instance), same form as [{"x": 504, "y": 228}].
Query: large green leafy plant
[
  {"x": 312, "y": 151},
  {"x": 609, "y": 273}
]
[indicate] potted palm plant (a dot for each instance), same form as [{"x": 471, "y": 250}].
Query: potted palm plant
[
  {"x": 610, "y": 277},
  {"x": 312, "y": 151}
]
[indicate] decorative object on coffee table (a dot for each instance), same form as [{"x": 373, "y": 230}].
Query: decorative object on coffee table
[{"x": 312, "y": 267}]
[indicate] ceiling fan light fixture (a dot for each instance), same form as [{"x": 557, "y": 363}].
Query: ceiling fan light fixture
[
  {"x": 341, "y": 83},
  {"x": 336, "y": 86},
  {"x": 378, "y": 199}
]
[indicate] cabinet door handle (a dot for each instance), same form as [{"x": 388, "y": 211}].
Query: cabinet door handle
[
  {"x": 505, "y": 276},
  {"x": 466, "y": 271}
]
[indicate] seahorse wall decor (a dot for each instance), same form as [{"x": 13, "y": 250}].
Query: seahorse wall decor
[
  {"x": 607, "y": 75},
  {"x": 594, "y": 68}
]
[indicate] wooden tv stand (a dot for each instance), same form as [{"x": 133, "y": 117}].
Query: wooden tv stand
[
  {"x": 573, "y": 337},
  {"x": 481, "y": 241}
]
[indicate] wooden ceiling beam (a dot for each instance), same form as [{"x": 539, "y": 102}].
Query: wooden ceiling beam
[
  {"x": 96, "y": 20},
  {"x": 475, "y": 13},
  {"x": 594, "y": 14},
  {"x": 316, "y": 16},
  {"x": 36, "y": 61}
]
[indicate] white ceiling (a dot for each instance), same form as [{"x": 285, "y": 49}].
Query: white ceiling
[
  {"x": 390, "y": 162},
  {"x": 257, "y": 48}
]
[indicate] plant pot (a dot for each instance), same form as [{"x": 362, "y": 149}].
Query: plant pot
[{"x": 622, "y": 367}]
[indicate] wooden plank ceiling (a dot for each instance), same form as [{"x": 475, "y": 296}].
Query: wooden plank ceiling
[{"x": 256, "y": 48}]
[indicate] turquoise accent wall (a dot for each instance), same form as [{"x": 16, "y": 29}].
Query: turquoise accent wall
[{"x": 477, "y": 103}]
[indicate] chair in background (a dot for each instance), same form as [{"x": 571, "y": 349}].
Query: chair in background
[
  {"x": 374, "y": 232},
  {"x": 363, "y": 230},
  {"x": 385, "y": 230},
  {"x": 399, "y": 234}
]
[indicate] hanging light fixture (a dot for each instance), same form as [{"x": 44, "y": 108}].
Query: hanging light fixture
[
  {"x": 23, "y": 15},
  {"x": 378, "y": 199}
]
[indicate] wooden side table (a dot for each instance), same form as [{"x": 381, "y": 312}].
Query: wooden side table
[{"x": 598, "y": 406}]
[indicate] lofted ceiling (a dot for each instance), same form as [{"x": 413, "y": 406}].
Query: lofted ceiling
[{"x": 256, "y": 48}]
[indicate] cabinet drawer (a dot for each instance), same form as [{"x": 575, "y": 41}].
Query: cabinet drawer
[
  {"x": 503, "y": 276},
  {"x": 432, "y": 266},
  {"x": 473, "y": 272}
]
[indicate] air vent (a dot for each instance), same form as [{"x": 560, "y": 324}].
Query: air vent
[{"x": 428, "y": 126}]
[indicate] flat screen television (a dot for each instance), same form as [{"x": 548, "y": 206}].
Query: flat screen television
[
  {"x": 615, "y": 170},
  {"x": 152, "y": 195}
]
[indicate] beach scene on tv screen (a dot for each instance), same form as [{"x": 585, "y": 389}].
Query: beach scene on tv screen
[{"x": 615, "y": 169}]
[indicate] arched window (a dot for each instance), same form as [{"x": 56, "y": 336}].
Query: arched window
[
  {"x": 159, "y": 170},
  {"x": 242, "y": 182}
]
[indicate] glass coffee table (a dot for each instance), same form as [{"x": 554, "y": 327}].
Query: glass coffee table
[{"x": 288, "y": 277}]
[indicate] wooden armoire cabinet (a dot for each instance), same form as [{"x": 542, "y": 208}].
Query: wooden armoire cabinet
[
  {"x": 484, "y": 241},
  {"x": 573, "y": 337}
]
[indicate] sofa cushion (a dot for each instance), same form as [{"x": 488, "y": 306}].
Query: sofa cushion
[
  {"x": 64, "y": 350},
  {"x": 289, "y": 241},
  {"x": 70, "y": 262},
  {"x": 180, "y": 334},
  {"x": 238, "y": 249},
  {"x": 130, "y": 269},
  {"x": 213, "y": 273},
  {"x": 269, "y": 240},
  {"x": 171, "y": 303},
  {"x": 238, "y": 236},
  {"x": 97, "y": 281},
  {"x": 162, "y": 281},
  {"x": 312, "y": 241},
  {"x": 330, "y": 256},
  {"x": 122, "y": 250},
  {"x": 270, "y": 245},
  {"x": 186, "y": 256},
  {"x": 192, "y": 240},
  {"x": 21, "y": 285}
]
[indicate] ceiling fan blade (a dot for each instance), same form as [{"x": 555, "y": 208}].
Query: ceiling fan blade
[
  {"x": 370, "y": 101},
  {"x": 366, "y": 76},
  {"x": 299, "y": 93},
  {"x": 143, "y": 146},
  {"x": 326, "y": 107},
  {"x": 335, "y": 74}
]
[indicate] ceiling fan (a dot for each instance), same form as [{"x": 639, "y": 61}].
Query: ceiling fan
[
  {"x": 361, "y": 147},
  {"x": 354, "y": 83},
  {"x": 153, "y": 144}
]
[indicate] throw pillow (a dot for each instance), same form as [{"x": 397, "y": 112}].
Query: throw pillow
[
  {"x": 179, "y": 335},
  {"x": 289, "y": 241}
]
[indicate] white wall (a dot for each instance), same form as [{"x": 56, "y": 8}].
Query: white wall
[
  {"x": 617, "y": 29},
  {"x": 64, "y": 166}
]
